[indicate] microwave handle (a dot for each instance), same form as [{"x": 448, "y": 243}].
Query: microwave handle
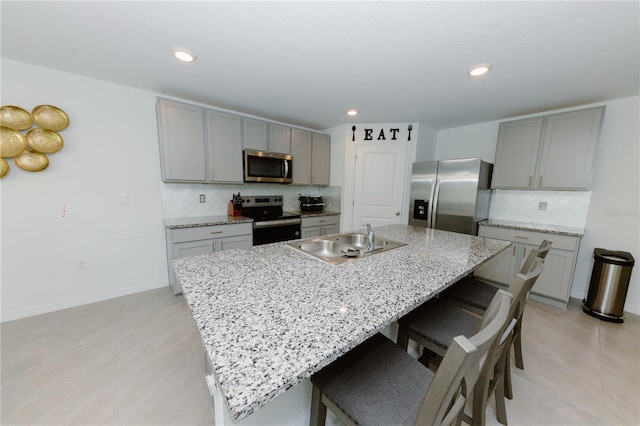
[{"x": 286, "y": 168}]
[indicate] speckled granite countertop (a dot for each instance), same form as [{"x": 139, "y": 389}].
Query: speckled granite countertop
[
  {"x": 196, "y": 221},
  {"x": 316, "y": 213},
  {"x": 272, "y": 316},
  {"x": 192, "y": 222},
  {"x": 537, "y": 227}
]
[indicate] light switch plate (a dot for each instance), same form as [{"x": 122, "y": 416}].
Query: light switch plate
[
  {"x": 202, "y": 198},
  {"x": 542, "y": 206}
]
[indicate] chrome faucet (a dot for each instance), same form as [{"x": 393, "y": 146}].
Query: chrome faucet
[{"x": 371, "y": 238}]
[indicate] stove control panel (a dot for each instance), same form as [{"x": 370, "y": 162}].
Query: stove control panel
[{"x": 262, "y": 201}]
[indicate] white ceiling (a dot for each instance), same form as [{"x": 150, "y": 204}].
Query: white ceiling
[{"x": 306, "y": 63}]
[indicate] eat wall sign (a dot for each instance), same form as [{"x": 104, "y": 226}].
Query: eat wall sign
[{"x": 381, "y": 134}]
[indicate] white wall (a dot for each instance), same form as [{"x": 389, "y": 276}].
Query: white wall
[
  {"x": 427, "y": 143},
  {"x": 477, "y": 140},
  {"x": 614, "y": 215},
  {"x": 71, "y": 211},
  {"x": 343, "y": 150}
]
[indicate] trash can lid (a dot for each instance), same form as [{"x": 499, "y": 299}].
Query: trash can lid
[{"x": 622, "y": 258}]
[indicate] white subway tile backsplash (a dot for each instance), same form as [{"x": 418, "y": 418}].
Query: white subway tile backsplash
[
  {"x": 566, "y": 208},
  {"x": 183, "y": 199}
]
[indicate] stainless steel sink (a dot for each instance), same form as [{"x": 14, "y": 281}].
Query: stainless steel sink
[
  {"x": 323, "y": 248},
  {"x": 360, "y": 241},
  {"x": 344, "y": 248}
]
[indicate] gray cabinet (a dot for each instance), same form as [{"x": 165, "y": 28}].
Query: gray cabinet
[
  {"x": 182, "y": 242},
  {"x": 224, "y": 143},
  {"x": 550, "y": 152},
  {"x": 256, "y": 134},
  {"x": 198, "y": 144},
  {"x": 279, "y": 138},
  {"x": 264, "y": 136},
  {"x": 516, "y": 153},
  {"x": 311, "y": 157},
  {"x": 318, "y": 226},
  {"x": 320, "y": 159},
  {"x": 182, "y": 142},
  {"x": 301, "y": 151},
  {"x": 555, "y": 281}
]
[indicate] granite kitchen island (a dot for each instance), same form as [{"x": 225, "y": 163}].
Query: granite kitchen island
[{"x": 271, "y": 316}]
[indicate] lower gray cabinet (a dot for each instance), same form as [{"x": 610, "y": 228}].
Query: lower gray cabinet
[
  {"x": 182, "y": 242},
  {"x": 318, "y": 226},
  {"x": 559, "y": 266}
]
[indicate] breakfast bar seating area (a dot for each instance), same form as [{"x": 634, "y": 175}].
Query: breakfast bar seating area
[
  {"x": 295, "y": 314},
  {"x": 379, "y": 383},
  {"x": 435, "y": 323}
]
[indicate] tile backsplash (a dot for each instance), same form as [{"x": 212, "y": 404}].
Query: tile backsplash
[
  {"x": 566, "y": 208},
  {"x": 183, "y": 199}
]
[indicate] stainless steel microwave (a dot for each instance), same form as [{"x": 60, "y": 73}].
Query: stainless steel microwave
[{"x": 262, "y": 166}]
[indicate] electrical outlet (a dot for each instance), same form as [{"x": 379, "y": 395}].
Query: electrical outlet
[
  {"x": 81, "y": 265},
  {"x": 542, "y": 206},
  {"x": 202, "y": 198}
]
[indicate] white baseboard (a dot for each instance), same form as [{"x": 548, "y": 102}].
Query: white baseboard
[{"x": 43, "y": 309}]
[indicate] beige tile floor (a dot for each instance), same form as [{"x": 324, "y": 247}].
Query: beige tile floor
[{"x": 137, "y": 360}]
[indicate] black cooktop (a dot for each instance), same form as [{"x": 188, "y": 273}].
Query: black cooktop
[{"x": 265, "y": 207}]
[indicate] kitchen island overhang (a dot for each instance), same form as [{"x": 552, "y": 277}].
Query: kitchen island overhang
[{"x": 271, "y": 316}]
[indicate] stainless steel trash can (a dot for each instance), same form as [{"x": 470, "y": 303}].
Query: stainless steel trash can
[{"x": 609, "y": 284}]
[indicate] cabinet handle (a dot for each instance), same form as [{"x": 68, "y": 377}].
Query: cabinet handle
[
  {"x": 514, "y": 250},
  {"x": 522, "y": 238},
  {"x": 321, "y": 221},
  {"x": 217, "y": 232},
  {"x": 530, "y": 180},
  {"x": 540, "y": 184}
]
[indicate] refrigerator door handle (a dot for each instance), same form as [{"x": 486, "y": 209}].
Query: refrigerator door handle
[{"x": 433, "y": 205}]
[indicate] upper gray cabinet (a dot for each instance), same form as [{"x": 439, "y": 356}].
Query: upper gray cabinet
[
  {"x": 320, "y": 158},
  {"x": 550, "y": 152},
  {"x": 198, "y": 144},
  {"x": 301, "y": 151},
  {"x": 279, "y": 138},
  {"x": 182, "y": 145},
  {"x": 311, "y": 157},
  {"x": 264, "y": 136},
  {"x": 224, "y": 142},
  {"x": 256, "y": 134}
]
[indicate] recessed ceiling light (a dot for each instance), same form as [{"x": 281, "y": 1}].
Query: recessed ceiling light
[
  {"x": 352, "y": 112},
  {"x": 478, "y": 70},
  {"x": 183, "y": 54}
]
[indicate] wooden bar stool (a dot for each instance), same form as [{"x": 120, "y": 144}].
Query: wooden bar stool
[
  {"x": 434, "y": 324},
  {"x": 475, "y": 296},
  {"x": 378, "y": 383}
]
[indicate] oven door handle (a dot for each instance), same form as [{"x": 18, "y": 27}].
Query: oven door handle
[{"x": 278, "y": 222}]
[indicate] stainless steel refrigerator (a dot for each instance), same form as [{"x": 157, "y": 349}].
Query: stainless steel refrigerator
[{"x": 452, "y": 195}]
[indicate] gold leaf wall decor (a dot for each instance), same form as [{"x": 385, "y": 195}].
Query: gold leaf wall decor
[
  {"x": 15, "y": 118},
  {"x": 31, "y": 161},
  {"x": 4, "y": 167},
  {"x": 45, "y": 141},
  {"x": 50, "y": 117},
  {"x": 12, "y": 142},
  {"x": 29, "y": 151}
]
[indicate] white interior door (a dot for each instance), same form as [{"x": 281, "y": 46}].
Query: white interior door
[{"x": 379, "y": 183}]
